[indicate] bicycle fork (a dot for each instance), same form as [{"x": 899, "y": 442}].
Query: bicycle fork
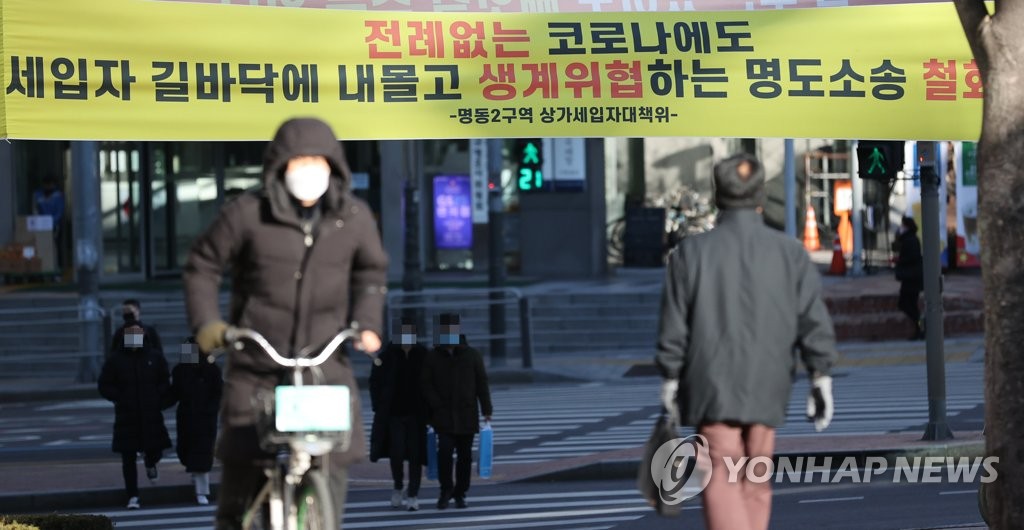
[{"x": 287, "y": 477}]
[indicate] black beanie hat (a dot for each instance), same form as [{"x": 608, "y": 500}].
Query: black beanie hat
[{"x": 735, "y": 192}]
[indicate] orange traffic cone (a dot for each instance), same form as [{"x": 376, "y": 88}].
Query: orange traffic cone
[
  {"x": 811, "y": 241},
  {"x": 838, "y": 267}
]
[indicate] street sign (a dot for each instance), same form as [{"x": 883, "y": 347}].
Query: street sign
[
  {"x": 565, "y": 164},
  {"x": 478, "y": 178}
]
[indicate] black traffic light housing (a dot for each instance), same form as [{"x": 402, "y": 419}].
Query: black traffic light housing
[{"x": 879, "y": 160}]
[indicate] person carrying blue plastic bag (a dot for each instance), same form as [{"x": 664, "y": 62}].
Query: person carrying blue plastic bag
[{"x": 454, "y": 384}]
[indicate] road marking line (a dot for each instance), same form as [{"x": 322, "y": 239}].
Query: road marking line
[
  {"x": 957, "y": 492},
  {"x": 834, "y": 499}
]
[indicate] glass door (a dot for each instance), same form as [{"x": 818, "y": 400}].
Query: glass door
[
  {"x": 183, "y": 192},
  {"x": 121, "y": 208}
]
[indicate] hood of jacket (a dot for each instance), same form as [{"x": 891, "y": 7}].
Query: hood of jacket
[{"x": 303, "y": 137}]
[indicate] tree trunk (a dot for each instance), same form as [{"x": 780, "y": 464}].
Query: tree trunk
[{"x": 998, "y": 46}]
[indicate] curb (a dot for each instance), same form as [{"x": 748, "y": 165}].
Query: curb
[
  {"x": 98, "y": 498},
  {"x": 625, "y": 469}
]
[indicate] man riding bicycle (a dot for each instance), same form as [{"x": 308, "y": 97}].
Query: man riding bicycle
[{"x": 306, "y": 261}]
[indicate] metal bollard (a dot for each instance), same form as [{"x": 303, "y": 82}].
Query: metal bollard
[
  {"x": 108, "y": 333},
  {"x": 526, "y": 332}
]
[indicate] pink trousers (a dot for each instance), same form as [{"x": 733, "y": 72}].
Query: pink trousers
[{"x": 739, "y": 504}]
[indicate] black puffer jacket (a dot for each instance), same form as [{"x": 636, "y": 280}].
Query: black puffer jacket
[
  {"x": 454, "y": 381},
  {"x": 293, "y": 289},
  {"x": 196, "y": 388},
  {"x": 398, "y": 376},
  {"x": 136, "y": 381},
  {"x": 909, "y": 263}
]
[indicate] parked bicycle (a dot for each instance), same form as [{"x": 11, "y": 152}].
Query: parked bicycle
[
  {"x": 687, "y": 212},
  {"x": 299, "y": 424}
]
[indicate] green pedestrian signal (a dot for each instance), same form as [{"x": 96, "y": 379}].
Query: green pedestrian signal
[
  {"x": 530, "y": 159},
  {"x": 879, "y": 160}
]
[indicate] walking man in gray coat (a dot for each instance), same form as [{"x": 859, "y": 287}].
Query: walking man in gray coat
[{"x": 738, "y": 302}]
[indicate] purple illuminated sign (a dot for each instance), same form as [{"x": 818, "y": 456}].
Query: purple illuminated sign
[{"x": 453, "y": 212}]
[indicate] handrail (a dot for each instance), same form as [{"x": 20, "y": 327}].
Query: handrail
[
  {"x": 471, "y": 298},
  {"x": 395, "y": 293},
  {"x": 33, "y": 310}
]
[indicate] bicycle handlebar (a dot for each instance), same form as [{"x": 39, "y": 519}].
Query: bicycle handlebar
[{"x": 234, "y": 335}]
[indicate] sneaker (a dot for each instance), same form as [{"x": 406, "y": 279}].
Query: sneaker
[
  {"x": 202, "y": 500},
  {"x": 133, "y": 503},
  {"x": 413, "y": 504},
  {"x": 460, "y": 502},
  {"x": 396, "y": 499},
  {"x": 443, "y": 500},
  {"x": 152, "y": 474}
]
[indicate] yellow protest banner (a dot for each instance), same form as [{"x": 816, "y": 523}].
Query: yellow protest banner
[{"x": 143, "y": 70}]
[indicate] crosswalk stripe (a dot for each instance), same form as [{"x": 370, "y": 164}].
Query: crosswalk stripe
[
  {"x": 579, "y": 510},
  {"x": 540, "y": 423}
]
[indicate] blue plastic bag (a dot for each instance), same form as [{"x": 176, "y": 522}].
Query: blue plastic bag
[
  {"x": 486, "y": 451},
  {"x": 431, "y": 454}
]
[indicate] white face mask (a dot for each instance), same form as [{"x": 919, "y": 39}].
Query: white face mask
[{"x": 307, "y": 182}]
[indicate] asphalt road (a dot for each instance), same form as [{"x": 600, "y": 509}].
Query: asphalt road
[
  {"x": 879, "y": 505},
  {"x": 616, "y": 505}
]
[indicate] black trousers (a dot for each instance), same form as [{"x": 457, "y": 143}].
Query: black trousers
[
  {"x": 129, "y": 471},
  {"x": 462, "y": 445},
  {"x": 406, "y": 439},
  {"x": 239, "y": 484},
  {"x": 909, "y": 293}
]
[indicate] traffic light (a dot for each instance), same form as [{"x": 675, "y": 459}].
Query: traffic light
[
  {"x": 530, "y": 159},
  {"x": 879, "y": 160}
]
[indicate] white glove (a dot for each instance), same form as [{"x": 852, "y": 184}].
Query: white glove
[
  {"x": 669, "y": 390},
  {"x": 819, "y": 402}
]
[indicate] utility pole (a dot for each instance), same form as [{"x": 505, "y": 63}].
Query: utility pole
[
  {"x": 496, "y": 253},
  {"x": 412, "y": 275},
  {"x": 857, "y": 263},
  {"x": 938, "y": 428},
  {"x": 789, "y": 181},
  {"x": 88, "y": 244},
  {"x": 636, "y": 191}
]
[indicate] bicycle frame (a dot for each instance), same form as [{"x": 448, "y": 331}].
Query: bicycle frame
[{"x": 294, "y": 450}]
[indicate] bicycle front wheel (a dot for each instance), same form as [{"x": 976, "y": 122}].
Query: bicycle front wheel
[{"x": 313, "y": 502}]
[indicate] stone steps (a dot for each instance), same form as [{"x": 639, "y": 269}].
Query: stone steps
[{"x": 895, "y": 326}]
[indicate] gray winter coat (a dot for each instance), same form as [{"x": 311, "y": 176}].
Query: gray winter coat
[
  {"x": 738, "y": 303},
  {"x": 296, "y": 290}
]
